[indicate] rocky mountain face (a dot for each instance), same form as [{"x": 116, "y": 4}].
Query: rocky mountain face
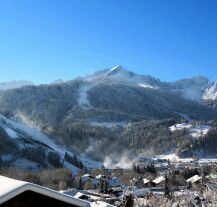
[{"x": 91, "y": 112}]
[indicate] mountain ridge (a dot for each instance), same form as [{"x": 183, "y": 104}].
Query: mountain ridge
[{"x": 105, "y": 113}]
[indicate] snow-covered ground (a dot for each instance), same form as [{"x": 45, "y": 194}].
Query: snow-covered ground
[
  {"x": 199, "y": 131},
  {"x": 100, "y": 204},
  {"x": 14, "y": 129},
  {"x": 211, "y": 92},
  {"x": 146, "y": 85},
  {"x": 194, "y": 131},
  {"x": 180, "y": 126},
  {"x": 174, "y": 158}
]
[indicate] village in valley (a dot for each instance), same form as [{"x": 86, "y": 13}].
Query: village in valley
[
  {"x": 163, "y": 180},
  {"x": 152, "y": 182}
]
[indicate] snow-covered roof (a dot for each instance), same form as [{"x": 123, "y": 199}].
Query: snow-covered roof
[
  {"x": 158, "y": 180},
  {"x": 90, "y": 178},
  {"x": 115, "y": 182},
  {"x": 11, "y": 188},
  {"x": 194, "y": 179},
  {"x": 99, "y": 176},
  {"x": 100, "y": 204},
  {"x": 146, "y": 181}
]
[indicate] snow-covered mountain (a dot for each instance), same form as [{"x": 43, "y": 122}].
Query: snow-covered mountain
[
  {"x": 210, "y": 92},
  {"x": 88, "y": 113},
  {"x": 24, "y": 137},
  {"x": 195, "y": 88},
  {"x": 119, "y": 74},
  {"x": 14, "y": 84},
  {"x": 109, "y": 95}
]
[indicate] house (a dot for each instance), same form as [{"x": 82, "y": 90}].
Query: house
[
  {"x": 193, "y": 179},
  {"x": 112, "y": 181},
  {"x": 194, "y": 182},
  {"x": 158, "y": 181},
  {"x": 23, "y": 194},
  {"x": 117, "y": 191},
  {"x": 139, "y": 183},
  {"x": 147, "y": 183},
  {"x": 89, "y": 182}
]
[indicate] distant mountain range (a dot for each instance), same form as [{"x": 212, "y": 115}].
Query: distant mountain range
[
  {"x": 90, "y": 112},
  {"x": 110, "y": 95}
]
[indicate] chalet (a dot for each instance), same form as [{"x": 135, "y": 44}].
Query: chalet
[
  {"x": 89, "y": 181},
  {"x": 24, "y": 194},
  {"x": 113, "y": 182},
  {"x": 147, "y": 183},
  {"x": 194, "y": 181},
  {"x": 117, "y": 191},
  {"x": 139, "y": 183},
  {"x": 158, "y": 181}
]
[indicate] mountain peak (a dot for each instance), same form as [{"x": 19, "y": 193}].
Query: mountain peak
[
  {"x": 115, "y": 70},
  {"x": 117, "y": 67}
]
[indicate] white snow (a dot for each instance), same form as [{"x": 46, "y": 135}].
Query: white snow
[
  {"x": 33, "y": 132},
  {"x": 180, "y": 126},
  {"x": 100, "y": 204},
  {"x": 112, "y": 70},
  {"x": 211, "y": 92},
  {"x": 36, "y": 134},
  {"x": 199, "y": 131},
  {"x": 195, "y": 131},
  {"x": 11, "y": 133},
  {"x": 146, "y": 85},
  {"x": 173, "y": 157},
  {"x": 83, "y": 96}
]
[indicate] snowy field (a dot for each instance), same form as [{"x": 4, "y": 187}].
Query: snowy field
[{"x": 194, "y": 131}]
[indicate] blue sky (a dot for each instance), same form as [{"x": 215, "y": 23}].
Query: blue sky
[{"x": 44, "y": 40}]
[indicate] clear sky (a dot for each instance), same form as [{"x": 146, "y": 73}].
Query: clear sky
[{"x": 44, "y": 40}]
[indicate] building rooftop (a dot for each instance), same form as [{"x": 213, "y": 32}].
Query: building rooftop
[
  {"x": 158, "y": 180},
  {"x": 193, "y": 179},
  {"x": 11, "y": 188}
]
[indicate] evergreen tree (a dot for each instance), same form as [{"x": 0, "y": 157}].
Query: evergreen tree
[
  {"x": 106, "y": 186},
  {"x": 167, "y": 189},
  {"x": 80, "y": 184},
  {"x": 101, "y": 185}
]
